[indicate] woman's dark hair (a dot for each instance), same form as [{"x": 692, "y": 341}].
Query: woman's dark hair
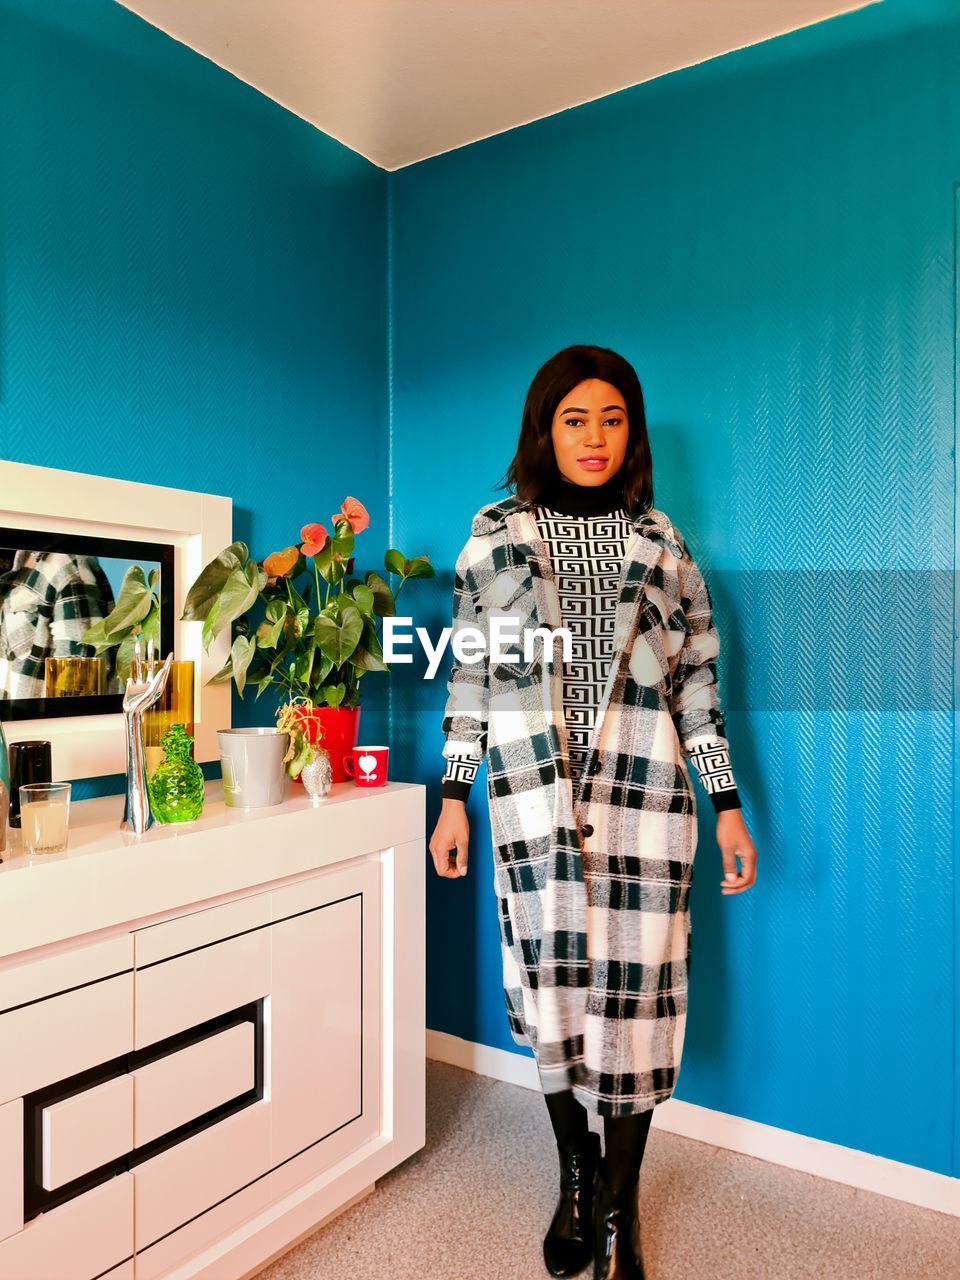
[{"x": 534, "y": 466}]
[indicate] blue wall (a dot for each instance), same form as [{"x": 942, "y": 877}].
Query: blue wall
[
  {"x": 194, "y": 280},
  {"x": 195, "y": 293},
  {"x": 769, "y": 238}
]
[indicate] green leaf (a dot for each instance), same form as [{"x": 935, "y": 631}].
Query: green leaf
[
  {"x": 264, "y": 678},
  {"x": 369, "y": 653},
  {"x": 134, "y": 602},
  {"x": 97, "y": 637},
  {"x": 145, "y": 631},
  {"x": 419, "y": 567},
  {"x": 297, "y": 618},
  {"x": 271, "y": 629},
  {"x": 303, "y": 754},
  {"x": 335, "y": 694},
  {"x": 125, "y": 655},
  {"x": 342, "y": 541},
  {"x": 150, "y": 629},
  {"x": 394, "y": 562},
  {"x": 338, "y": 638},
  {"x": 322, "y": 669},
  {"x": 332, "y": 561},
  {"x": 241, "y": 652},
  {"x": 371, "y": 638},
  {"x": 328, "y": 636},
  {"x": 384, "y": 604},
  {"x": 297, "y": 602},
  {"x": 364, "y": 660},
  {"x": 209, "y": 622},
  {"x": 269, "y": 633},
  {"x": 212, "y": 580},
  {"x": 322, "y": 559},
  {"x": 133, "y": 591},
  {"x": 236, "y": 597},
  {"x": 330, "y": 568},
  {"x": 256, "y": 576},
  {"x": 224, "y": 674},
  {"x": 291, "y": 632},
  {"x": 363, "y": 598},
  {"x": 351, "y": 629},
  {"x": 305, "y": 664},
  {"x": 154, "y": 579}
]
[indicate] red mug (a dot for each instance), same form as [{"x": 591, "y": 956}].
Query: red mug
[{"x": 367, "y": 766}]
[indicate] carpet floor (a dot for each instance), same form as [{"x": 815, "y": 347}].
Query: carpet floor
[{"x": 475, "y": 1202}]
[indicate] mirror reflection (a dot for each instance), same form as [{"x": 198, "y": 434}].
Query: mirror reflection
[{"x": 71, "y": 611}]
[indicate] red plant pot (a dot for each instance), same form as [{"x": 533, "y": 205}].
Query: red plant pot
[{"x": 336, "y": 729}]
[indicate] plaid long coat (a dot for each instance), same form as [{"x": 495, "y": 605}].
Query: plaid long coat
[{"x": 592, "y": 883}]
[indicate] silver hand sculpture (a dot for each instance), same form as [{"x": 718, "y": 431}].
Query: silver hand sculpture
[{"x": 144, "y": 687}]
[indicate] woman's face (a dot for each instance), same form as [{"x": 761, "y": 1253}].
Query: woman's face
[{"x": 589, "y": 433}]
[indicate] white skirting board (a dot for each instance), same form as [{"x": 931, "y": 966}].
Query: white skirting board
[{"x": 827, "y": 1160}]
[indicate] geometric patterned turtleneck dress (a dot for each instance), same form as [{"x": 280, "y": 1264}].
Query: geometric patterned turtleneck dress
[{"x": 586, "y": 530}]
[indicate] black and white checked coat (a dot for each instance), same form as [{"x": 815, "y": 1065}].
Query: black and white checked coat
[{"x": 592, "y": 882}]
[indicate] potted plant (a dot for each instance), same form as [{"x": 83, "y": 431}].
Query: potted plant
[{"x": 303, "y": 624}]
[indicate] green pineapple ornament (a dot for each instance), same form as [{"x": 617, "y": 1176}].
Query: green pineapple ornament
[{"x": 176, "y": 788}]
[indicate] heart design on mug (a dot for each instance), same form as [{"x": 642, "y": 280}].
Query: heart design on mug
[{"x": 368, "y": 765}]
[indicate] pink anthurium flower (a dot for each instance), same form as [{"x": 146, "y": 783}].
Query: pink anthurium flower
[
  {"x": 354, "y": 511},
  {"x": 314, "y": 539}
]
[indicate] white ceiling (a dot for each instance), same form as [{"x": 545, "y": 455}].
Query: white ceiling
[{"x": 401, "y": 80}]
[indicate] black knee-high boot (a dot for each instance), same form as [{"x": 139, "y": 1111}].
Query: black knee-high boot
[
  {"x": 616, "y": 1207},
  {"x": 568, "y": 1244},
  {"x": 569, "y": 1119}
]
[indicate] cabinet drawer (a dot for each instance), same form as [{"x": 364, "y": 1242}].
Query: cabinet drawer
[
  {"x": 22, "y": 981},
  {"x": 175, "y": 995},
  {"x": 178, "y": 1184},
  {"x": 52, "y": 1039},
  {"x": 200, "y": 928},
  {"x": 80, "y": 1240},
  {"x": 194, "y": 1081},
  {"x": 11, "y": 1168},
  {"x": 86, "y": 1131}
]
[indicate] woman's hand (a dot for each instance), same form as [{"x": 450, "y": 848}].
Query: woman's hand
[
  {"x": 734, "y": 839},
  {"x": 451, "y": 832}
]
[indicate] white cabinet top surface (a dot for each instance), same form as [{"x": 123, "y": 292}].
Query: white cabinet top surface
[{"x": 108, "y": 878}]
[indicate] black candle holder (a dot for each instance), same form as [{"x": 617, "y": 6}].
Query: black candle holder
[{"x": 30, "y": 761}]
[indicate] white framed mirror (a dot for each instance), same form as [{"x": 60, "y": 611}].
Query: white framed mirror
[{"x": 86, "y": 540}]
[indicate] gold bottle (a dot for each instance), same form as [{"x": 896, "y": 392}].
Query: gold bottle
[{"x": 175, "y": 706}]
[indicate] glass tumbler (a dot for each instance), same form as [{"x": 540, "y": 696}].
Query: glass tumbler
[{"x": 44, "y": 816}]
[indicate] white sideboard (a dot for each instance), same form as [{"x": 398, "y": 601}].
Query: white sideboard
[{"x": 212, "y": 1037}]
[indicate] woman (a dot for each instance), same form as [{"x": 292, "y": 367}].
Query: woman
[{"x": 593, "y": 814}]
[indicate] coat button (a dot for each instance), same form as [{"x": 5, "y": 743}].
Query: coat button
[{"x": 587, "y": 829}]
